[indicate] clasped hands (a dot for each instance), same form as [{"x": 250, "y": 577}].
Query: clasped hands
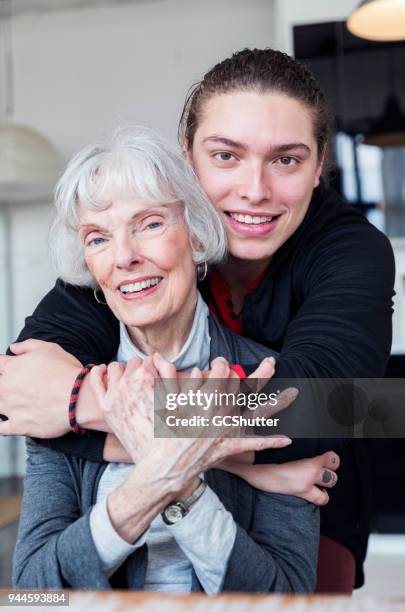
[
  {"x": 35, "y": 387},
  {"x": 126, "y": 396}
]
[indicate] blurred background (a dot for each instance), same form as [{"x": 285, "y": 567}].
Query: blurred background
[{"x": 72, "y": 69}]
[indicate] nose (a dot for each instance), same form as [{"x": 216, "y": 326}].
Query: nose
[
  {"x": 126, "y": 252},
  {"x": 254, "y": 184}
]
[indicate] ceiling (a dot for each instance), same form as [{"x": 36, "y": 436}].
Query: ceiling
[{"x": 45, "y": 6}]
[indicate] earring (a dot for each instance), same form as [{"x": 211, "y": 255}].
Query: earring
[
  {"x": 202, "y": 270},
  {"x": 97, "y": 298}
]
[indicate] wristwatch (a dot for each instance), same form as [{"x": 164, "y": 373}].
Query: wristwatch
[{"x": 176, "y": 510}]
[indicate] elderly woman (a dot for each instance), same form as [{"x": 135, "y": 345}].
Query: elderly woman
[{"x": 132, "y": 222}]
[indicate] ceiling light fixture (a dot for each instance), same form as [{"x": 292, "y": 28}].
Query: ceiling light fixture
[
  {"x": 29, "y": 164},
  {"x": 381, "y": 20}
]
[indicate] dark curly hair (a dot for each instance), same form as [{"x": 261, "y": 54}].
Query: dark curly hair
[{"x": 261, "y": 70}]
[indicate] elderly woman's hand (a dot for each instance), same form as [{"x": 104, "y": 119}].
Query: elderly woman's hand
[
  {"x": 126, "y": 396},
  {"x": 185, "y": 458},
  {"x": 127, "y": 399}
]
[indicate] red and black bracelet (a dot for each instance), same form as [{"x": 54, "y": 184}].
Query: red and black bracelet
[{"x": 73, "y": 400}]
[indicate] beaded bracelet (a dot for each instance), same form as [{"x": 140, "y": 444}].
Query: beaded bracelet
[{"x": 73, "y": 400}]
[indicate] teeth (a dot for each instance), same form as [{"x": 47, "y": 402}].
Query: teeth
[
  {"x": 256, "y": 220},
  {"x": 135, "y": 287}
]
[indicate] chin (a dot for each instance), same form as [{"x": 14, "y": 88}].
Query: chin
[
  {"x": 138, "y": 319},
  {"x": 251, "y": 252}
]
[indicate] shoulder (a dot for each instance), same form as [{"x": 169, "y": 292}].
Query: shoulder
[
  {"x": 341, "y": 242},
  {"x": 337, "y": 225},
  {"x": 235, "y": 348}
]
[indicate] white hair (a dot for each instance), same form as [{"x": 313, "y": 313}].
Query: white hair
[{"x": 134, "y": 162}]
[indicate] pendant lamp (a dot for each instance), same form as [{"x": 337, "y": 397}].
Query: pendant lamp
[
  {"x": 29, "y": 164},
  {"x": 382, "y": 20}
]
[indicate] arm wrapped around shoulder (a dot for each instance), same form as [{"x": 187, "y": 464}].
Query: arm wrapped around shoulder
[{"x": 343, "y": 328}]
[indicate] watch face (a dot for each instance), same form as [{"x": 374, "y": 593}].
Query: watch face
[{"x": 174, "y": 513}]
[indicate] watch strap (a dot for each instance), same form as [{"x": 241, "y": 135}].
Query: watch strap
[
  {"x": 177, "y": 510},
  {"x": 191, "y": 499}
]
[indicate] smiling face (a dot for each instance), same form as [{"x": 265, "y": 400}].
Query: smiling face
[
  {"x": 256, "y": 156},
  {"x": 140, "y": 255}
]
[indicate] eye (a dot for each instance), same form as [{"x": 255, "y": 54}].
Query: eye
[
  {"x": 286, "y": 160},
  {"x": 153, "y": 225},
  {"x": 224, "y": 156},
  {"x": 94, "y": 242}
]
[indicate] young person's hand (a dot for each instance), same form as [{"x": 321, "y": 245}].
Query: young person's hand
[
  {"x": 35, "y": 387},
  {"x": 306, "y": 478}
]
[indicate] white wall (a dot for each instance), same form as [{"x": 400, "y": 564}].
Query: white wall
[{"x": 81, "y": 72}]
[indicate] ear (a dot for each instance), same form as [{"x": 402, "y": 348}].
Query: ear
[
  {"x": 196, "y": 245},
  {"x": 318, "y": 171},
  {"x": 187, "y": 151}
]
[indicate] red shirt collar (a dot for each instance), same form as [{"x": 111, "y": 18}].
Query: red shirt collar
[{"x": 221, "y": 302}]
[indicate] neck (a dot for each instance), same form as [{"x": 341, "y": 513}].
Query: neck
[
  {"x": 166, "y": 337},
  {"x": 239, "y": 273}
]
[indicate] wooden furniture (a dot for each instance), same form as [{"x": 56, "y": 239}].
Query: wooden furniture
[{"x": 125, "y": 601}]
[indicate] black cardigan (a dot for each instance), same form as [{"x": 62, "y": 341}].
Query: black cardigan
[{"x": 325, "y": 304}]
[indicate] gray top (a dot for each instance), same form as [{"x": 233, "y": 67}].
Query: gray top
[
  {"x": 275, "y": 547},
  {"x": 203, "y": 539}
]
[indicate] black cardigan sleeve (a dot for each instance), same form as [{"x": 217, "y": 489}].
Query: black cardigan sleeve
[
  {"x": 343, "y": 326},
  {"x": 71, "y": 317}
]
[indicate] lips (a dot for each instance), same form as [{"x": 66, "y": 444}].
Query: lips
[
  {"x": 139, "y": 288},
  {"x": 140, "y": 285},
  {"x": 251, "y": 225},
  {"x": 250, "y": 219}
]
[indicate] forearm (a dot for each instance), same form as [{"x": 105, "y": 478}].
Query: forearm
[
  {"x": 36, "y": 386},
  {"x": 206, "y": 535},
  {"x": 141, "y": 497},
  {"x": 88, "y": 412},
  {"x": 113, "y": 451},
  {"x": 69, "y": 316}
]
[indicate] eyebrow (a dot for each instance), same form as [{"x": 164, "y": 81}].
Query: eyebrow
[
  {"x": 283, "y": 148},
  {"x": 153, "y": 210},
  {"x": 226, "y": 141}
]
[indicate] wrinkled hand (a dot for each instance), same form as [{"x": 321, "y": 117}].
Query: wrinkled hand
[
  {"x": 305, "y": 478},
  {"x": 113, "y": 450},
  {"x": 181, "y": 459},
  {"x": 35, "y": 386},
  {"x": 228, "y": 383},
  {"x": 126, "y": 397}
]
